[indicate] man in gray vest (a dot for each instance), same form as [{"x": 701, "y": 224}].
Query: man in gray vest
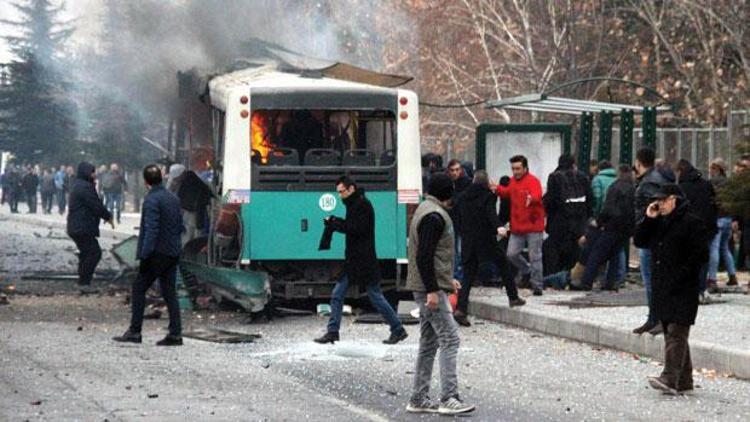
[{"x": 430, "y": 278}]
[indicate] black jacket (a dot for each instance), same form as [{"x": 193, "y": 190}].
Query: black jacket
[
  {"x": 85, "y": 208},
  {"x": 679, "y": 248},
  {"x": 478, "y": 212},
  {"x": 30, "y": 183},
  {"x": 616, "y": 215},
  {"x": 567, "y": 202},
  {"x": 161, "y": 224},
  {"x": 459, "y": 187},
  {"x": 361, "y": 264},
  {"x": 648, "y": 185},
  {"x": 700, "y": 193}
]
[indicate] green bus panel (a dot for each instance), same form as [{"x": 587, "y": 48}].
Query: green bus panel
[{"x": 289, "y": 225}]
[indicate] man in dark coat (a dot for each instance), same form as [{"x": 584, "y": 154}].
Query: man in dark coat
[
  {"x": 12, "y": 182},
  {"x": 84, "y": 212},
  {"x": 649, "y": 180},
  {"x": 361, "y": 264},
  {"x": 700, "y": 193},
  {"x": 678, "y": 241},
  {"x": 480, "y": 226},
  {"x": 460, "y": 183},
  {"x": 614, "y": 225},
  {"x": 568, "y": 206},
  {"x": 159, "y": 247},
  {"x": 30, "y": 184}
]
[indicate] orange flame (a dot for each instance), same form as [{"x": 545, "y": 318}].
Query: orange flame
[{"x": 259, "y": 128}]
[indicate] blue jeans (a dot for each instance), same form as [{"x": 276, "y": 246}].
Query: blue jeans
[
  {"x": 720, "y": 248},
  {"x": 645, "y": 258},
  {"x": 376, "y": 299},
  {"x": 113, "y": 201},
  {"x": 458, "y": 266}
]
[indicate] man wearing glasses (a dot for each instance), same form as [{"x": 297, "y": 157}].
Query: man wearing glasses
[{"x": 361, "y": 264}]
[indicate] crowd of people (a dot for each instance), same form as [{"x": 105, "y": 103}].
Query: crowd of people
[{"x": 35, "y": 183}]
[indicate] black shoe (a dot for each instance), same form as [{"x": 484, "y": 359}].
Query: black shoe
[
  {"x": 516, "y": 302},
  {"x": 128, "y": 337},
  {"x": 462, "y": 320},
  {"x": 170, "y": 340},
  {"x": 658, "y": 383},
  {"x": 525, "y": 282},
  {"x": 538, "y": 292},
  {"x": 328, "y": 338},
  {"x": 732, "y": 280},
  {"x": 396, "y": 337},
  {"x": 643, "y": 328},
  {"x": 579, "y": 287},
  {"x": 656, "y": 330}
]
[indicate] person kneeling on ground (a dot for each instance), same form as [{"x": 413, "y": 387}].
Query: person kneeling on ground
[
  {"x": 678, "y": 243},
  {"x": 430, "y": 278}
]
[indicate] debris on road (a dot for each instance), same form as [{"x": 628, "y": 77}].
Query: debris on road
[
  {"x": 220, "y": 336},
  {"x": 4, "y": 299},
  {"x": 152, "y": 396}
]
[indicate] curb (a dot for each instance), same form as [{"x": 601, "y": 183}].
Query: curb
[
  {"x": 704, "y": 355},
  {"x": 104, "y": 232}
]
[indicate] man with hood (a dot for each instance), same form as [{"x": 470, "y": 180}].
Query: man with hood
[
  {"x": 568, "y": 207},
  {"x": 430, "y": 278},
  {"x": 361, "y": 265},
  {"x": 678, "y": 241},
  {"x": 700, "y": 193},
  {"x": 84, "y": 212},
  {"x": 480, "y": 226}
]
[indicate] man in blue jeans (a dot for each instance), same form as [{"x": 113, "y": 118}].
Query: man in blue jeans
[
  {"x": 649, "y": 182},
  {"x": 361, "y": 264}
]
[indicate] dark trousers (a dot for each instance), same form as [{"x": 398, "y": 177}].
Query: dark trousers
[
  {"x": 61, "y": 201},
  {"x": 31, "y": 201},
  {"x": 163, "y": 268},
  {"x": 47, "y": 200},
  {"x": 605, "y": 247},
  {"x": 88, "y": 258},
  {"x": 13, "y": 199},
  {"x": 678, "y": 367},
  {"x": 559, "y": 252},
  {"x": 471, "y": 270}
]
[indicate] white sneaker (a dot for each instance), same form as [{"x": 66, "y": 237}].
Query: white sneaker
[
  {"x": 424, "y": 406},
  {"x": 454, "y": 406}
]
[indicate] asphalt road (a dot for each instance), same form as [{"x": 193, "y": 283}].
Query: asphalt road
[{"x": 54, "y": 371}]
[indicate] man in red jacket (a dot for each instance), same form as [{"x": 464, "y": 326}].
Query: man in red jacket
[{"x": 526, "y": 221}]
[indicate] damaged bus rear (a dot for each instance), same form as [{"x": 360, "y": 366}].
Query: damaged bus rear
[{"x": 279, "y": 140}]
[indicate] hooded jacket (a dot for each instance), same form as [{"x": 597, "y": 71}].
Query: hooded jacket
[
  {"x": 599, "y": 187},
  {"x": 477, "y": 211},
  {"x": 524, "y": 219},
  {"x": 85, "y": 208},
  {"x": 700, "y": 193},
  {"x": 679, "y": 248}
]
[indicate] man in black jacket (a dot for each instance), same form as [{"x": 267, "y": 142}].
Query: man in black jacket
[
  {"x": 460, "y": 183},
  {"x": 30, "y": 184},
  {"x": 700, "y": 193},
  {"x": 614, "y": 226},
  {"x": 159, "y": 247},
  {"x": 649, "y": 182},
  {"x": 361, "y": 265},
  {"x": 568, "y": 206},
  {"x": 480, "y": 226},
  {"x": 84, "y": 212},
  {"x": 678, "y": 241}
]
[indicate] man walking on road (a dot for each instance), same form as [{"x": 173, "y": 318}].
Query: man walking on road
[
  {"x": 113, "y": 186},
  {"x": 86, "y": 209},
  {"x": 678, "y": 241},
  {"x": 526, "y": 221},
  {"x": 361, "y": 266},
  {"x": 159, "y": 247},
  {"x": 430, "y": 278},
  {"x": 479, "y": 230}
]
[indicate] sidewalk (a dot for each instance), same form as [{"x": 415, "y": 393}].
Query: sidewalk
[
  {"x": 128, "y": 228},
  {"x": 720, "y": 340}
]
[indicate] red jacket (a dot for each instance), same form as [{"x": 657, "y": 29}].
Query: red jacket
[{"x": 524, "y": 219}]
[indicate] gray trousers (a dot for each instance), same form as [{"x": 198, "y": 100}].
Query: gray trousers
[
  {"x": 438, "y": 330},
  {"x": 534, "y": 243}
]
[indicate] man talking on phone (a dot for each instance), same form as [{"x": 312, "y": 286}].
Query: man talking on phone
[{"x": 430, "y": 278}]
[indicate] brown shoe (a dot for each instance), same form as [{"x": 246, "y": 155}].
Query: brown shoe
[
  {"x": 516, "y": 302},
  {"x": 461, "y": 319},
  {"x": 732, "y": 280}
]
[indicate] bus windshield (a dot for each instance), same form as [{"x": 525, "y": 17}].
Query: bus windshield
[{"x": 323, "y": 138}]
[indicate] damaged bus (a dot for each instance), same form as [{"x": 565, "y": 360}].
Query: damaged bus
[{"x": 273, "y": 140}]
